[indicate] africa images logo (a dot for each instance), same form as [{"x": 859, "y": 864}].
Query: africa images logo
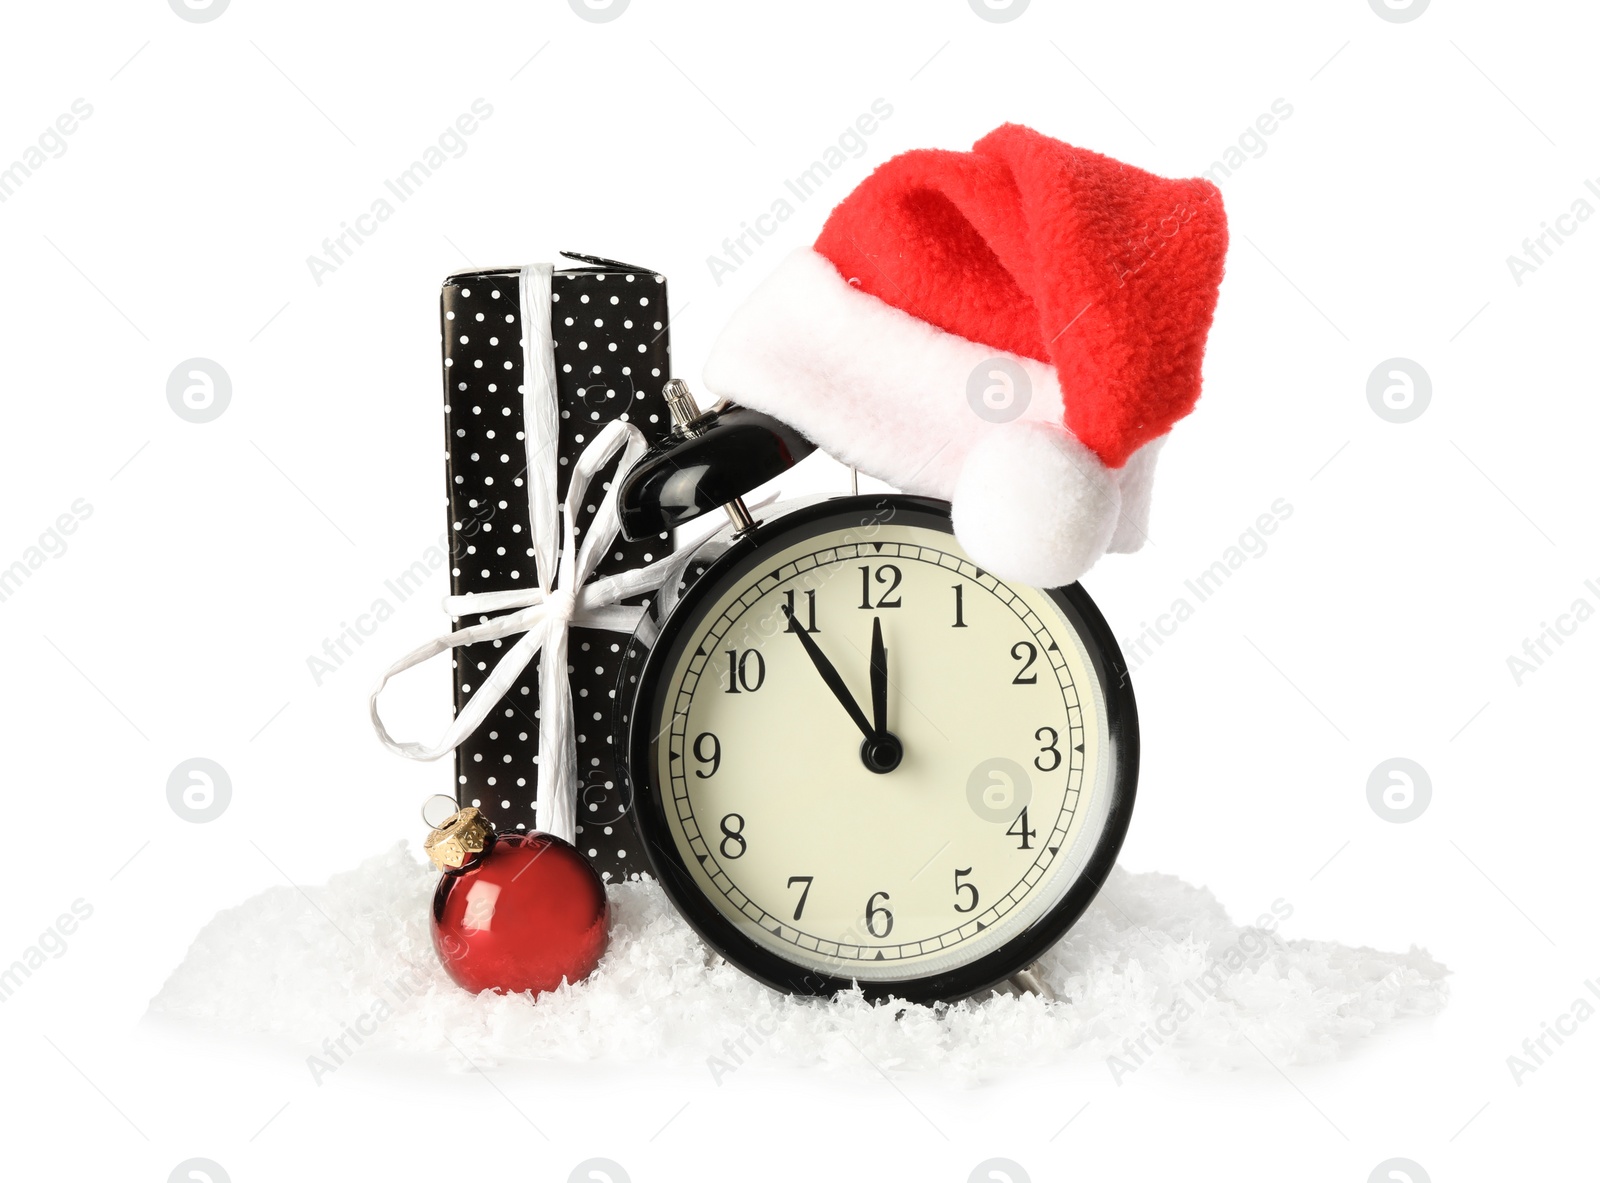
[
  {"x": 51, "y": 144},
  {"x": 199, "y": 390},
  {"x": 199, "y": 12},
  {"x": 51, "y": 544},
  {"x": 599, "y": 12},
  {"x": 451, "y": 144},
  {"x": 999, "y": 12},
  {"x": 1399, "y": 12}
]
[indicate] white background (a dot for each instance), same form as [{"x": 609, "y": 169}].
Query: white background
[{"x": 218, "y": 556}]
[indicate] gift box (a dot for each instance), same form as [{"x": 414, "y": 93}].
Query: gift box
[{"x": 609, "y": 329}]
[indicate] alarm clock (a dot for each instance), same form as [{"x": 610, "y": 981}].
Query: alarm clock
[{"x": 857, "y": 758}]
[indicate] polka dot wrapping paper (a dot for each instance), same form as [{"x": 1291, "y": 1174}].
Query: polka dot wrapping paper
[{"x": 612, "y": 357}]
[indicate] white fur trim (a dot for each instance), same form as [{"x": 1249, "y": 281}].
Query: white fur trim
[
  {"x": 1136, "y": 479},
  {"x": 1034, "y": 505},
  {"x": 874, "y": 386},
  {"x": 888, "y": 393}
]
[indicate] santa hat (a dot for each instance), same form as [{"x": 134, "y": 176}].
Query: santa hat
[{"x": 1013, "y": 329}]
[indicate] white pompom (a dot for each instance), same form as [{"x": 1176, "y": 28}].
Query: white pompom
[{"x": 1035, "y": 506}]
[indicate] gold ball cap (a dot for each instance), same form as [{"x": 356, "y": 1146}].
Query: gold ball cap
[{"x": 457, "y": 838}]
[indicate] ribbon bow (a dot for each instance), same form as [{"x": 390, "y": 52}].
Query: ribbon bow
[
  {"x": 564, "y": 597},
  {"x": 544, "y": 615}
]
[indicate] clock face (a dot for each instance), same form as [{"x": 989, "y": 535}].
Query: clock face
[{"x": 867, "y": 759}]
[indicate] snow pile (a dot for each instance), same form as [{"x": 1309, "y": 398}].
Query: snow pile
[{"x": 1155, "y": 969}]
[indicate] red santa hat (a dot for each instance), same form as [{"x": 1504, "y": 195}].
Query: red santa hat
[{"x": 1013, "y": 329}]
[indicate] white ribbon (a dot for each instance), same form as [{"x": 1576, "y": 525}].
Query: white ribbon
[{"x": 564, "y": 596}]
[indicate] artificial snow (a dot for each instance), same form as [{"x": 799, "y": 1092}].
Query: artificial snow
[{"x": 1154, "y": 970}]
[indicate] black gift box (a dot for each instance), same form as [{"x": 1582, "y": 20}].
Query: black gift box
[{"x": 609, "y": 325}]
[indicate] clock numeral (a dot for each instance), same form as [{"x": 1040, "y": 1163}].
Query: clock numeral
[
  {"x": 732, "y": 832},
  {"x": 811, "y": 611},
  {"x": 804, "y": 891},
  {"x": 1027, "y": 653},
  {"x": 713, "y": 757},
  {"x": 889, "y": 574},
  {"x": 960, "y": 623},
  {"x": 874, "y": 913},
  {"x": 972, "y": 899},
  {"x": 1019, "y": 829},
  {"x": 1049, "y": 749},
  {"x": 739, "y": 677}
]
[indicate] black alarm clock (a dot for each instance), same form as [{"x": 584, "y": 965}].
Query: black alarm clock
[{"x": 857, "y": 758}]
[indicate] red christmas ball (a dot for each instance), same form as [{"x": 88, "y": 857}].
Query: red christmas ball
[{"x": 522, "y": 913}]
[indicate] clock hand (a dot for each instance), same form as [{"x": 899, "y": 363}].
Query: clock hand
[
  {"x": 880, "y": 681},
  {"x": 830, "y": 676}
]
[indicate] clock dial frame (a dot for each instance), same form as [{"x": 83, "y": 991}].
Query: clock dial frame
[{"x": 1082, "y": 801}]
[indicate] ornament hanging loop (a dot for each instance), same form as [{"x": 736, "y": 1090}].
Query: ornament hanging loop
[{"x": 438, "y": 809}]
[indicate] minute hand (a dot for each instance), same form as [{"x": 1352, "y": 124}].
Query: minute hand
[{"x": 830, "y": 676}]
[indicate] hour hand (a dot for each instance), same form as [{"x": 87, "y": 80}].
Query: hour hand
[
  {"x": 830, "y": 675},
  {"x": 883, "y": 751},
  {"x": 880, "y": 681}
]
